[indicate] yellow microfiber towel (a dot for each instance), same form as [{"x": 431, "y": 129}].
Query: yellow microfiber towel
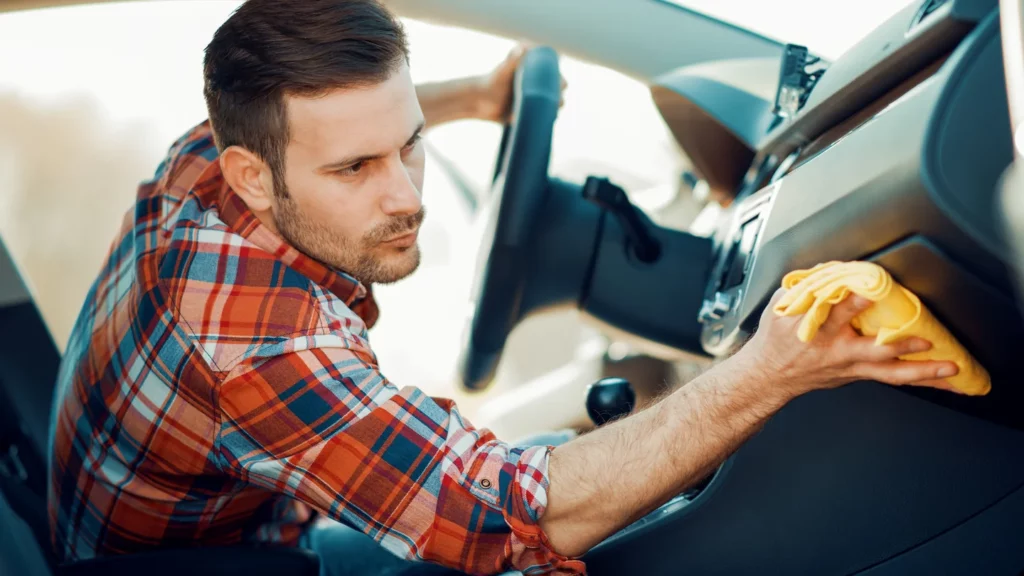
[{"x": 896, "y": 314}]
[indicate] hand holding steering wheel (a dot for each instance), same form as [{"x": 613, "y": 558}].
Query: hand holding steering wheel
[{"x": 517, "y": 198}]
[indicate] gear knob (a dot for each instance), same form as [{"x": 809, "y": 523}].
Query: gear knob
[{"x": 609, "y": 398}]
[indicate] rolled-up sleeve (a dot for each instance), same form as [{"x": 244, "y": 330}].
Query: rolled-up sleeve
[{"x": 324, "y": 426}]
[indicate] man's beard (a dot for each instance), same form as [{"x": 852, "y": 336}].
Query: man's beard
[{"x": 356, "y": 258}]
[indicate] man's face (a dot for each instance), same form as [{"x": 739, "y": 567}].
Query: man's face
[{"x": 354, "y": 171}]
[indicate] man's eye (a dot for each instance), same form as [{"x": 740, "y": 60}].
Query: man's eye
[
  {"x": 412, "y": 145},
  {"x": 351, "y": 170}
]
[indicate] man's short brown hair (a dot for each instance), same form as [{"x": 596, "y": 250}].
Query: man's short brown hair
[{"x": 269, "y": 49}]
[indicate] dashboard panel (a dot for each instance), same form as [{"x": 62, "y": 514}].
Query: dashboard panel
[
  {"x": 721, "y": 127},
  {"x": 895, "y": 51},
  {"x": 868, "y": 479},
  {"x": 905, "y": 176}
]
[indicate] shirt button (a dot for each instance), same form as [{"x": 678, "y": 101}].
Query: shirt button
[{"x": 485, "y": 483}]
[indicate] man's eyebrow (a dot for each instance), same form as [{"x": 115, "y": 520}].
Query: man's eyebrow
[
  {"x": 351, "y": 161},
  {"x": 416, "y": 133},
  {"x": 346, "y": 162}
]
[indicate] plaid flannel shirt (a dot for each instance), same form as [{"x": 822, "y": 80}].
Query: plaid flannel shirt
[{"x": 218, "y": 388}]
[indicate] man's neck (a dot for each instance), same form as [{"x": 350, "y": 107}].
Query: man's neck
[{"x": 266, "y": 218}]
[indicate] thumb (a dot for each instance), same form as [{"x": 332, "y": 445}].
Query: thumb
[{"x": 517, "y": 52}]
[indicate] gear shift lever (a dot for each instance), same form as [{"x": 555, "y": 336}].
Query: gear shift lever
[{"x": 609, "y": 398}]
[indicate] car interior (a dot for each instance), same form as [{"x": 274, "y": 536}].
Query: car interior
[{"x": 904, "y": 151}]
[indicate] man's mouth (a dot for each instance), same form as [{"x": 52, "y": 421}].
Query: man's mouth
[{"x": 403, "y": 241}]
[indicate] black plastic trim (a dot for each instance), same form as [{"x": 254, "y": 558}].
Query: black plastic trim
[{"x": 948, "y": 160}]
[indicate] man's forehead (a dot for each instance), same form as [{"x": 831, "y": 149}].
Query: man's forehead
[{"x": 364, "y": 119}]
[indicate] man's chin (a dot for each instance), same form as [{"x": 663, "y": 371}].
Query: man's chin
[{"x": 400, "y": 264}]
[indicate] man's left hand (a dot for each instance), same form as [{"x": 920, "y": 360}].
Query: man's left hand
[{"x": 497, "y": 87}]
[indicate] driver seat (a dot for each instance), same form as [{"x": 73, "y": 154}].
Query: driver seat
[{"x": 29, "y": 361}]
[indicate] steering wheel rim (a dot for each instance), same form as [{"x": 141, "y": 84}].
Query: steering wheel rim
[{"x": 517, "y": 197}]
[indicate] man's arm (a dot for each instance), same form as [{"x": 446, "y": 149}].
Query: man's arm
[
  {"x": 601, "y": 482},
  {"x": 325, "y": 427},
  {"x": 460, "y": 99},
  {"x": 611, "y": 477},
  {"x": 487, "y": 97}
]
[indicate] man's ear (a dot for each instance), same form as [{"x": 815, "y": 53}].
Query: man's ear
[{"x": 249, "y": 177}]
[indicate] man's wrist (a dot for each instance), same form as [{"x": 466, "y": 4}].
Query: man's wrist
[
  {"x": 482, "y": 100},
  {"x": 461, "y": 99},
  {"x": 746, "y": 374}
]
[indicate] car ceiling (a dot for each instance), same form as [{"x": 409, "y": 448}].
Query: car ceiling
[{"x": 660, "y": 36}]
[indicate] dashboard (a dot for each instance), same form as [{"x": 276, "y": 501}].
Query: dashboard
[{"x": 893, "y": 157}]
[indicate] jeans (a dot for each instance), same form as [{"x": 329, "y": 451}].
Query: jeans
[{"x": 344, "y": 551}]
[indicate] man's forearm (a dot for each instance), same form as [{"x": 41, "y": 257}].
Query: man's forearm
[
  {"x": 452, "y": 100},
  {"x": 604, "y": 480}
]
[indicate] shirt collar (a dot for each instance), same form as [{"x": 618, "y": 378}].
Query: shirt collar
[{"x": 241, "y": 220}]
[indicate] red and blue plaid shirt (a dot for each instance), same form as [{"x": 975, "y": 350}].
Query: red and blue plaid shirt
[{"x": 218, "y": 388}]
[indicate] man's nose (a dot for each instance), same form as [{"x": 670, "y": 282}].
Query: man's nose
[{"x": 402, "y": 196}]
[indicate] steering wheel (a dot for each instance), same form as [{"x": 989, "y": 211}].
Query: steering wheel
[{"x": 518, "y": 195}]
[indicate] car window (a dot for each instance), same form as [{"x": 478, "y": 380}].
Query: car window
[
  {"x": 608, "y": 126},
  {"x": 91, "y": 97},
  {"x": 81, "y": 127},
  {"x": 827, "y": 27}
]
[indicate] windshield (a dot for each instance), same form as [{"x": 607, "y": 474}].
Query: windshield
[{"x": 827, "y": 27}]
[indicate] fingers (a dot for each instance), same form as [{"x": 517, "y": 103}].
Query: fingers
[
  {"x": 842, "y": 313},
  {"x": 779, "y": 293},
  {"x": 938, "y": 384},
  {"x": 864, "y": 349},
  {"x": 517, "y": 51},
  {"x": 905, "y": 372},
  {"x": 769, "y": 311}
]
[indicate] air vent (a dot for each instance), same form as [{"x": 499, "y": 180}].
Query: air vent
[{"x": 927, "y": 9}]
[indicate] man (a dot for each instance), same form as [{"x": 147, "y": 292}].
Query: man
[{"x": 219, "y": 387}]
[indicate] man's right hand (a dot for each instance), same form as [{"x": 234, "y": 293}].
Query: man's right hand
[
  {"x": 608, "y": 478},
  {"x": 837, "y": 355}
]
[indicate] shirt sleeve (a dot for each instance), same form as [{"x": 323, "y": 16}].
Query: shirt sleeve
[{"x": 324, "y": 426}]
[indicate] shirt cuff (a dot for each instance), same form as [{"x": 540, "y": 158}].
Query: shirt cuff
[{"x": 530, "y": 550}]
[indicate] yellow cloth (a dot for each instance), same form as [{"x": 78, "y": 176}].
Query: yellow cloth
[{"x": 896, "y": 314}]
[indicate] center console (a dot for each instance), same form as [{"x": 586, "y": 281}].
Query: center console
[{"x": 720, "y": 312}]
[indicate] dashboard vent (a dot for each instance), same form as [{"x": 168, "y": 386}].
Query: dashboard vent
[{"x": 927, "y": 9}]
